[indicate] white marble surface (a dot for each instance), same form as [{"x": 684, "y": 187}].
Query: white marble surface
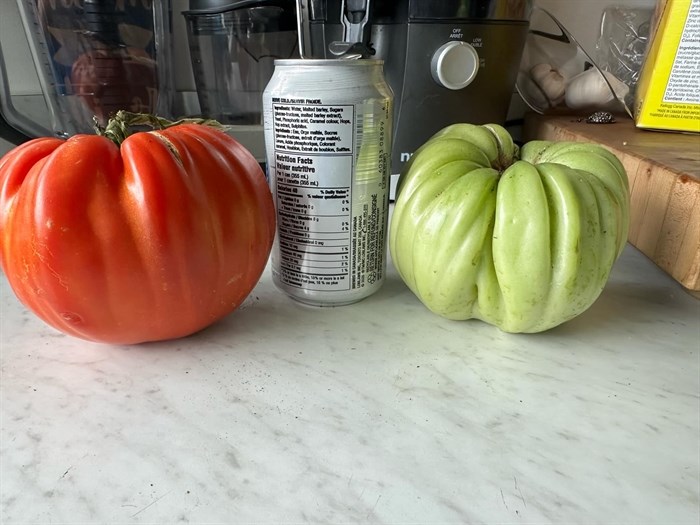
[{"x": 379, "y": 412}]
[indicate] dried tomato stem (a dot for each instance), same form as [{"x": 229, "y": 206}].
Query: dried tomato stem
[{"x": 124, "y": 123}]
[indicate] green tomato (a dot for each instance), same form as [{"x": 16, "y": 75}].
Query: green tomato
[{"x": 521, "y": 239}]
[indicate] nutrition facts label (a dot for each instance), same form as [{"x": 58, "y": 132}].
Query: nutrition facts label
[
  {"x": 685, "y": 75},
  {"x": 313, "y": 156}
]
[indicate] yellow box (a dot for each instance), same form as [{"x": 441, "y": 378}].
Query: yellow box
[{"x": 668, "y": 90}]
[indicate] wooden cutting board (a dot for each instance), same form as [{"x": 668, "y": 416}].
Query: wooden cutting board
[{"x": 664, "y": 175}]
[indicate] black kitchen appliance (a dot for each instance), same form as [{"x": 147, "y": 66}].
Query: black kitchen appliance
[
  {"x": 233, "y": 46},
  {"x": 449, "y": 61},
  {"x": 92, "y": 58}
]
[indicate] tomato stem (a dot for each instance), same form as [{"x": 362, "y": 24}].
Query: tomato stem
[{"x": 124, "y": 123}]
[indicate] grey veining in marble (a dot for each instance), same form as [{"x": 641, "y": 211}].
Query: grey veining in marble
[{"x": 378, "y": 412}]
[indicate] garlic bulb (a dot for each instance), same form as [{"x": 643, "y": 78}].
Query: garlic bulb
[
  {"x": 550, "y": 81},
  {"x": 589, "y": 89}
]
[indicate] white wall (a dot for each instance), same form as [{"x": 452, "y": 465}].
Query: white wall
[{"x": 23, "y": 78}]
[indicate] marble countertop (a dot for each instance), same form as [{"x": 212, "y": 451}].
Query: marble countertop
[{"x": 378, "y": 412}]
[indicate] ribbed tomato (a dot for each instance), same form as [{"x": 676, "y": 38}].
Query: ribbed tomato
[
  {"x": 154, "y": 239},
  {"x": 523, "y": 239}
]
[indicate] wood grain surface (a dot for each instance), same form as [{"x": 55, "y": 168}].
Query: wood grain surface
[{"x": 664, "y": 175}]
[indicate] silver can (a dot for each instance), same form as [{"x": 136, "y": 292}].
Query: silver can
[{"x": 328, "y": 150}]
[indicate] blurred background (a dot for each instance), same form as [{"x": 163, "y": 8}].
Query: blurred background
[{"x": 581, "y": 19}]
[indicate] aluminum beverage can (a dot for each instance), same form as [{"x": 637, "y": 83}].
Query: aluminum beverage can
[{"x": 327, "y": 126}]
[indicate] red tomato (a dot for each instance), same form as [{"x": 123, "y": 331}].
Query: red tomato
[{"x": 154, "y": 240}]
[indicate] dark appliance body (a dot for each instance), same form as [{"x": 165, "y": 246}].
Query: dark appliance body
[{"x": 447, "y": 62}]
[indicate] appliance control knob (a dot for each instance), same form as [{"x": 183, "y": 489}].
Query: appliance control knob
[{"x": 454, "y": 65}]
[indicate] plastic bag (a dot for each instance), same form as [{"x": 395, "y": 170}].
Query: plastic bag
[
  {"x": 622, "y": 43},
  {"x": 557, "y": 75}
]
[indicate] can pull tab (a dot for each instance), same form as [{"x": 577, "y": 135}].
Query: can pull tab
[{"x": 354, "y": 15}]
